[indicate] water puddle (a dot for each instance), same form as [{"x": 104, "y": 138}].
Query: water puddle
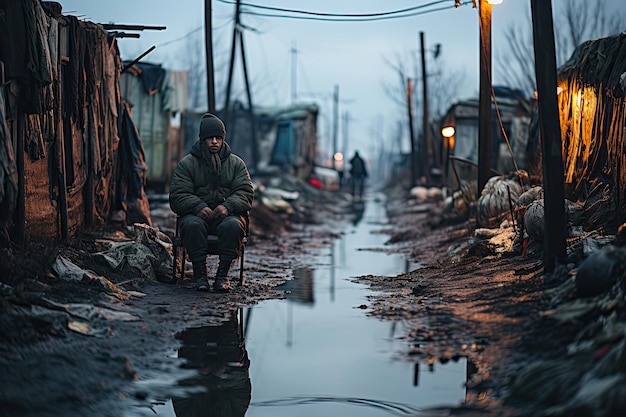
[{"x": 317, "y": 353}]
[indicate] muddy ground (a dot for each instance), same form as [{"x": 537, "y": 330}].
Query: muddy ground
[
  {"x": 469, "y": 299},
  {"x": 81, "y": 348}
]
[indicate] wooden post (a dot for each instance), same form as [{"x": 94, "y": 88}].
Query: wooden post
[
  {"x": 344, "y": 144},
  {"x": 484, "y": 98},
  {"x": 231, "y": 66},
  {"x": 19, "y": 131},
  {"x": 210, "y": 71},
  {"x": 335, "y": 123},
  {"x": 255, "y": 147},
  {"x": 550, "y": 131},
  {"x": 61, "y": 174},
  {"x": 427, "y": 160},
  {"x": 409, "y": 92}
]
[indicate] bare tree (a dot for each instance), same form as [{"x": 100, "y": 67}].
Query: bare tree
[
  {"x": 444, "y": 86},
  {"x": 397, "y": 92},
  {"x": 575, "y": 22},
  {"x": 192, "y": 59},
  {"x": 518, "y": 62}
]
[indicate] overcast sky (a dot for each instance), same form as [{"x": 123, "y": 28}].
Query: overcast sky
[{"x": 354, "y": 56}]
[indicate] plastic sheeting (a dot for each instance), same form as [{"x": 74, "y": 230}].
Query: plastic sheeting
[{"x": 148, "y": 257}]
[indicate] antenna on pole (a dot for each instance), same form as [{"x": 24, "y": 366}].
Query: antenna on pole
[{"x": 294, "y": 73}]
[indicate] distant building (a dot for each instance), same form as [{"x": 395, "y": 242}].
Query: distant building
[
  {"x": 515, "y": 113},
  {"x": 155, "y": 95}
]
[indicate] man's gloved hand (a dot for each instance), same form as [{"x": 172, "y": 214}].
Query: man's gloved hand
[
  {"x": 206, "y": 214},
  {"x": 219, "y": 212}
]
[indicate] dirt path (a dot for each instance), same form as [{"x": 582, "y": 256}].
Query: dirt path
[
  {"x": 56, "y": 358},
  {"x": 470, "y": 299}
]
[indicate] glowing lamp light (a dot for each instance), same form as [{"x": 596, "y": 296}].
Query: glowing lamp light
[
  {"x": 559, "y": 90},
  {"x": 338, "y": 156},
  {"x": 448, "y": 131},
  {"x": 494, "y": 1}
]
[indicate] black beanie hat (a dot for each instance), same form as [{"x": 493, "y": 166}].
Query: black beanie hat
[{"x": 210, "y": 126}]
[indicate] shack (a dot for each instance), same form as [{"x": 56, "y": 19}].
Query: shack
[
  {"x": 510, "y": 122},
  {"x": 70, "y": 153},
  {"x": 592, "y": 110},
  {"x": 158, "y": 97}
]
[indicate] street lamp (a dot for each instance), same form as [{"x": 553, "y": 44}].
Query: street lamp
[
  {"x": 448, "y": 131},
  {"x": 448, "y": 134}
]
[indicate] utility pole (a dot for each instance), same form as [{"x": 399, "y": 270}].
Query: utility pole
[
  {"x": 208, "y": 45},
  {"x": 425, "y": 116},
  {"x": 233, "y": 48},
  {"x": 484, "y": 97},
  {"x": 344, "y": 145},
  {"x": 409, "y": 100},
  {"x": 346, "y": 122},
  {"x": 550, "y": 131},
  {"x": 238, "y": 36},
  {"x": 335, "y": 123},
  {"x": 294, "y": 73},
  {"x": 255, "y": 147}
]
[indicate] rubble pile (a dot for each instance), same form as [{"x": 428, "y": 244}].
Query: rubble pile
[
  {"x": 568, "y": 349},
  {"x": 587, "y": 376}
]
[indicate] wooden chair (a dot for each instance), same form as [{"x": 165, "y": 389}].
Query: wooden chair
[{"x": 180, "y": 254}]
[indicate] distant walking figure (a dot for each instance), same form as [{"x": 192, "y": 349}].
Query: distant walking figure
[{"x": 358, "y": 173}]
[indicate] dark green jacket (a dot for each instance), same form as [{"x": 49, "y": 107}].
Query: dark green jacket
[{"x": 194, "y": 187}]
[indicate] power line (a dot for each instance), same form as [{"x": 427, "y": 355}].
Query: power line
[
  {"x": 185, "y": 36},
  {"x": 358, "y": 17},
  {"x": 191, "y": 32},
  {"x": 365, "y": 19},
  {"x": 338, "y": 14},
  {"x": 388, "y": 17}
]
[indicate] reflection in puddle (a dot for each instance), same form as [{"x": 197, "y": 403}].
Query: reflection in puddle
[
  {"x": 387, "y": 406},
  {"x": 317, "y": 353},
  {"x": 300, "y": 288},
  {"x": 219, "y": 355},
  {"x": 358, "y": 209}
]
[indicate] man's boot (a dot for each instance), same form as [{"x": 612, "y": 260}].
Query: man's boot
[
  {"x": 200, "y": 278},
  {"x": 222, "y": 283}
]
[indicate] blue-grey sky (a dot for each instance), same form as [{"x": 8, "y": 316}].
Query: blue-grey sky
[{"x": 352, "y": 55}]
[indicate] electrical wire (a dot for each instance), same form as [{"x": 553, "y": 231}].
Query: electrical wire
[
  {"x": 329, "y": 17},
  {"x": 191, "y": 32},
  {"x": 278, "y": 9}
]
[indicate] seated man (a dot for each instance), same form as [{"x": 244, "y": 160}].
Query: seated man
[{"x": 210, "y": 190}]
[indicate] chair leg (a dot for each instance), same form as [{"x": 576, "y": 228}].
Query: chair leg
[
  {"x": 175, "y": 253},
  {"x": 179, "y": 254},
  {"x": 242, "y": 278}
]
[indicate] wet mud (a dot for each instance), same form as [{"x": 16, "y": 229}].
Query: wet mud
[{"x": 467, "y": 299}]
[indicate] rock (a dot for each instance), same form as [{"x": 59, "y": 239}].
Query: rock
[{"x": 598, "y": 271}]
